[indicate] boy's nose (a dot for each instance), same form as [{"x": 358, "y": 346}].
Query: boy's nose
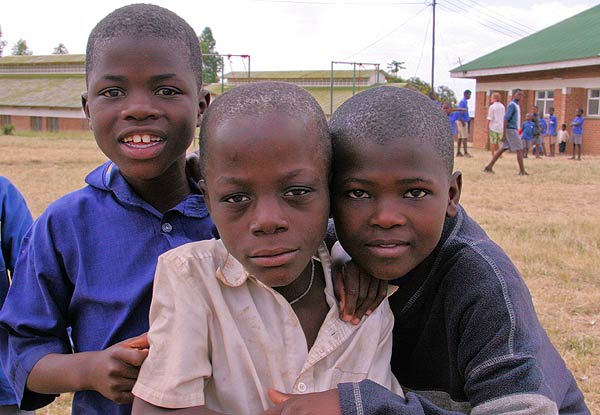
[
  {"x": 139, "y": 108},
  {"x": 388, "y": 214},
  {"x": 269, "y": 217}
]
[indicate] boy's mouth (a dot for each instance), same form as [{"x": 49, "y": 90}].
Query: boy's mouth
[{"x": 141, "y": 139}]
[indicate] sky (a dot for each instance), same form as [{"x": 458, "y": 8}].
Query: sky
[{"x": 310, "y": 34}]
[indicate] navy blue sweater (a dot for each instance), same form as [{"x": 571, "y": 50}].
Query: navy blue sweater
[{"x": 467, "y": 338}]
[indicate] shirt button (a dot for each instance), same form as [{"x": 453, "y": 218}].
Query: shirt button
[
  {"x": 167, "y": 227},
  {"x": 302, "y": 387}
]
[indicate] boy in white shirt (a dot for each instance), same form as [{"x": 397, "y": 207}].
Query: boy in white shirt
[
  {"x": 255, "y": 310},
  {"x": 495, "y": 124}
]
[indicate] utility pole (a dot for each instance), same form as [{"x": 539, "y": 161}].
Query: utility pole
[{"x": 433, "y": 49}]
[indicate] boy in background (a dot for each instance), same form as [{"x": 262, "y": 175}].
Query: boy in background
[
  {"x": 88, "y": 262},
  {"x": 540, "y": 147},
  {"x": 576, "y": 137},
  {"x": 462, "y": 124},
  {"x": 563, "y": 138},
  {"x": 15, "y": 220},
  {"x": 495, "y": 122},
  {"x": 466, "y": 335},
  {"x": 527, "y": 130},
  {"x": 552, "y": 131},
  {"x": 256, "y": 308}
]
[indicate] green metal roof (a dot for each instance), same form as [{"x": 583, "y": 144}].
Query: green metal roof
[
  {"x": 577, "y": 37},
  {"x": 41, "y": 59},
  {"x": 42, "y": 91},
  {"x": 364, "y": 72}
]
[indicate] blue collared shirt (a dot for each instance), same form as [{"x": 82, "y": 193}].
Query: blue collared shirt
[
  {"x": 88, "y": 263},
  {"x": 464, "y": 103},
  {"x": 527, "y": 133},
  {"x": 15, "y": 220},
  {"x": 512, "y": 115},
  {"x": 578, "y": 125},
  {"x": 552, "y": 125}
]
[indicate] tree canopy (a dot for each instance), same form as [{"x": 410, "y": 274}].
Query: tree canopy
[
  {"x": 61, "y": 49},
  {"x": 20, "y": 48},
  {"x": 212, "y": 64},
  {"x": 443, "y": 93},
  {"x": 2, "y": 42}
]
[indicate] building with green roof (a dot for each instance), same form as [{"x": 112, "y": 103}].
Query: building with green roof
[{"x": 556, "y": 67}]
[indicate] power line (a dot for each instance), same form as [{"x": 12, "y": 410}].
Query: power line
[
  {"x": 383, "y": 37},
  {"x": 506, "y": 19},
  {"x": 423, "y": 46},
  {"x": 494, "y": 26}
]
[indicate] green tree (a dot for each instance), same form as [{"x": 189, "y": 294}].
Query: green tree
[
  {"x": 2, "y": 42},
  {"x": 20, "y": 48},
  {"x": 420, "y": 85},
  {"x": 445, "y": 94},
  {"x": 395, "y": 66},
  {"x": 211, "y": 64},
  {"x": 61, "y": 49}
]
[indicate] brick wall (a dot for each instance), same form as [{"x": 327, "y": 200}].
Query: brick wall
[
  {"x": 566, "y": 101},
  {"x": 23, "y": 123}
]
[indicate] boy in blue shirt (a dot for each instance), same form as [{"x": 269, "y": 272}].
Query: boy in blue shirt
[
  {"x": 462, "y": 123},
  {"x": 15, "y": 220},
  {"x": 539, "y": 147},
  {"x": 88, "y": 262},
  {"x": 466, "y": 335},
  {"x": 576, "y": 137},
  {"x": 552, "y": 131},
  {"x": 527, "y": 133}
]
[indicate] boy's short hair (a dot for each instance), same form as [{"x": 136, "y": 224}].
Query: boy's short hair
[
  {"x": 467, "y": 91},
  {"x": 145, "y": 21},
  {"x": 383, "y": 114},
  {"x": 260, "y": 98},
  {"x": 496, "y": 96},
  {"x": 516, "y": 91}
]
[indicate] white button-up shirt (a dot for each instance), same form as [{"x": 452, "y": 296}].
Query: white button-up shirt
[{"x": 219, "y": 337}]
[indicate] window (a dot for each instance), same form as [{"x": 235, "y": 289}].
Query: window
[
  {"x": 5, "y": 120},
  {"x": 593, "y": 107},
  {"x": 52, "y": 124},
  {"x": 36, "y": 123},
  {"x": 544, "y": 100}
]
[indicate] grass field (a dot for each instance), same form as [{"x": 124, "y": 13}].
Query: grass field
[{"x": 548, "y": 222}]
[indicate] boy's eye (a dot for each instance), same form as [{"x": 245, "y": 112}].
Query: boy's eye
[
  {"x": 239, "y": 198},
  {"x": 415, "y": 194},
  {"x": 112, "y": 92},
  {"x": 167, "y": 91},
  {"x": 358, "y": 194},
  {"x": 297, "y": 191}
]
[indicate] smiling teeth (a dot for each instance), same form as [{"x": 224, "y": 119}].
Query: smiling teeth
[{"x": 144, "y": 138}]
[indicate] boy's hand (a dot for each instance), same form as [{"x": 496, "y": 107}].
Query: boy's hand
[
  {"x": 115, "y": 370},
  {"x": 192, "y": 166},
  {"x": 316, "y": 403},
  {"x": 359, "y": 293}
]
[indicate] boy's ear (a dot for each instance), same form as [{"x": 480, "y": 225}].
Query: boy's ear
[
  {"x": 203, "y": 102},
  {"x": 454, "y": 194},
  {"x": 86, "y": 108}
]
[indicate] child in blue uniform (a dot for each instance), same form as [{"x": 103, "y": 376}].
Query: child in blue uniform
[
  {"x": 576, "y": 137},
  {"x": 15, "y": 220},
  {"x": 88, "y": 262},
  {"x": 552, "y": 131},
  {"x": 527, "y": 133}
]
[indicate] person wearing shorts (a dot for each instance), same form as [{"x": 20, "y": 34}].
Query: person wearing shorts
[
  {"x": 495, "y": 124},
  {"x": 512, "y": 141}
]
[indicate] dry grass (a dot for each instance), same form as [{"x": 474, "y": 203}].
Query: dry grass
[{"x": 548, "y": 223}]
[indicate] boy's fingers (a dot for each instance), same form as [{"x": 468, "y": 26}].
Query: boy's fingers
[
  {"x": 372, "y": 287},
  {"x": 338, "y": 283},
  {"x": 131, "y": 356},
  {"x": 381, "y": 294},
  {"x": 277, "y": 397},
  {"x": 138, "y": 342}
]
